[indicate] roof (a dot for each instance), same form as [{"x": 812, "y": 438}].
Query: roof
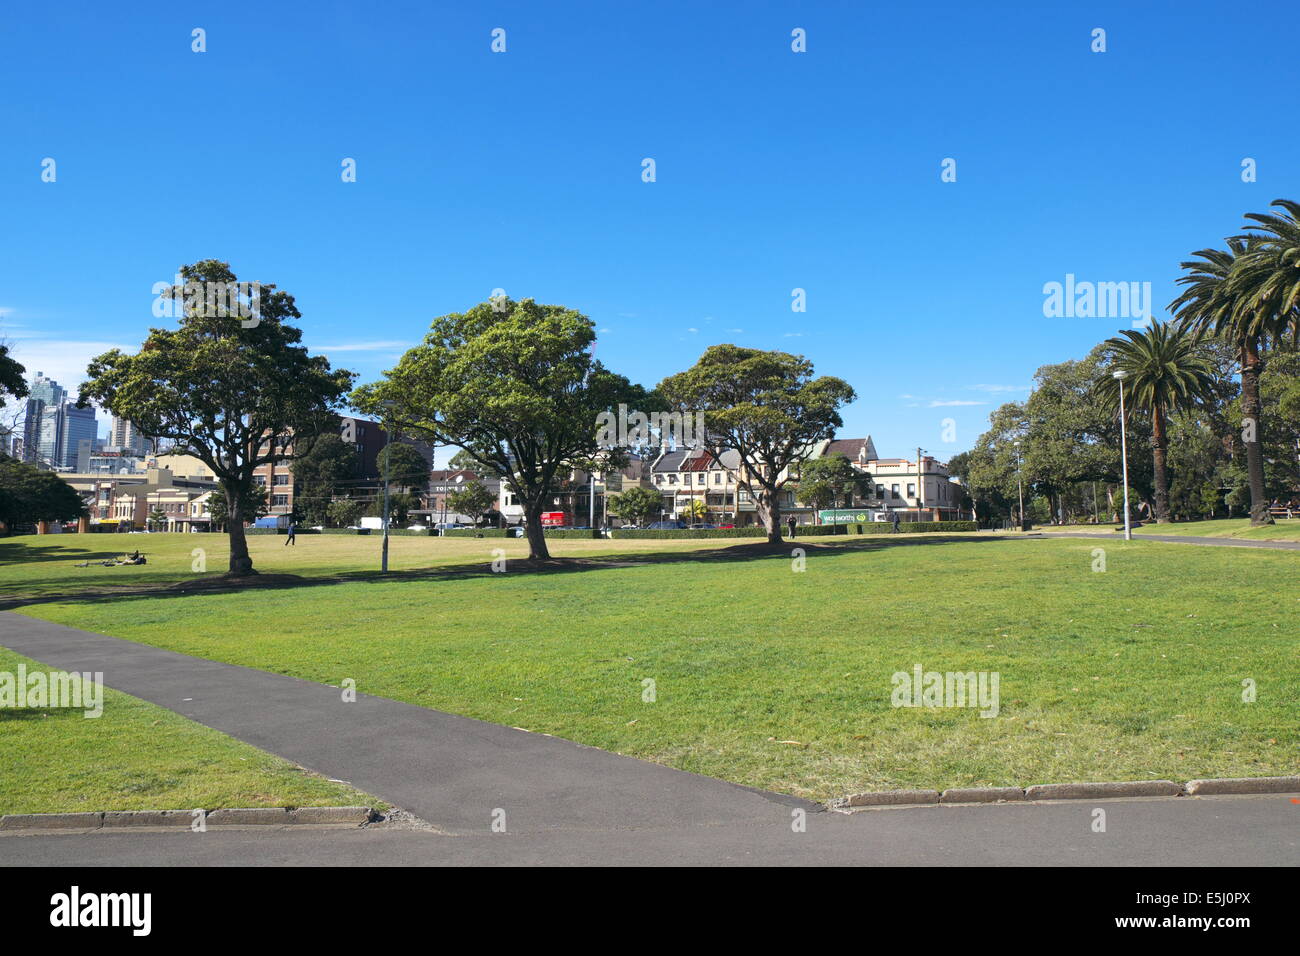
[
  {"x": 854, "y": 449},
  {"x": 672, "y": 460}
]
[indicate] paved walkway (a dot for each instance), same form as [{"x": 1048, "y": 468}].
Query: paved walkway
[
  {"x": 566, "y": 803},
  {"x": 1175, "y": 539}
]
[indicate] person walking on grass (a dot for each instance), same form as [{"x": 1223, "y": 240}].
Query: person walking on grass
[
  {"x": 790, "y": 524},
  {"x": 291, "y": 538}
]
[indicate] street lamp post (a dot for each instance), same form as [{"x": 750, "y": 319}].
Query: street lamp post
[
  {"x": 388, "y": 462},
  {"x": 1020, "y": 490},
  {"x": 1119, "y": 375}
]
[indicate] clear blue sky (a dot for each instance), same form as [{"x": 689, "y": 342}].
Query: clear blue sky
[{"x": 522, "y": 171}]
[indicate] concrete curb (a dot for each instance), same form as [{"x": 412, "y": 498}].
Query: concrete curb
[
  {"x": 1070, "y": 791},
  {"x": 1102, "y": 791},
  {"x": 1244, "y": 785},
  {"x": 182, "y": 819},
  {"x": 887, "y": 798},
  {"x": 981, "y": 795}
]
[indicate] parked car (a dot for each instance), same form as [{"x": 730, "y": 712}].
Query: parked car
[
  {"x": 417, "y": 527},
  {"x": 666, "y": 526}
]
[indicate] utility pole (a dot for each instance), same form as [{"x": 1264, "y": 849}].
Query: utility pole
[
  {"x": 1020, "y": 489},
  {"x": 1119, "y": 375},
  {"x": 920, "y": 485}
]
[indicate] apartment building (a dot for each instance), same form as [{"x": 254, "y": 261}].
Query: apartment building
[{"x": 366, "y": 437}]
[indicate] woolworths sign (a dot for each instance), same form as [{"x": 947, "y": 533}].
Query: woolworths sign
[{"x": 844, "y": 516}]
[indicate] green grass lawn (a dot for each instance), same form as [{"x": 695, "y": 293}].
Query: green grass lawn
[
  {"x": 137, "y": 756},
  {"x": 765, "y": 676},
  {"x": 1283, "y": 530}
]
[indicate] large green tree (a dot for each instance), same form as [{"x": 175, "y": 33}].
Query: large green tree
[
  {"x": 637, "y": 504},
  {"x": 831, "y": 481},
  {"x": 223, "y": 388},
  {"x": 474, "y": 499},
  {"x": 512, "y": 384},
  {"x": 325, "y": 464},
  {"x": 31, "y": 494},
  {"x": 403, "y": 465},
  {"x": 1164, "y": 370},
  {"x": 768, "y": 407}
]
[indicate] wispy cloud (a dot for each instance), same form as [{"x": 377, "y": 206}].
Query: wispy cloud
[{"x": 379, "y": 346}]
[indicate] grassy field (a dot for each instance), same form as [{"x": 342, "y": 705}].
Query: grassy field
[
  {"x": 1283, "y": 530},
  {"x": 764, "y": 675},
  {"x": 137, "y": 756}
]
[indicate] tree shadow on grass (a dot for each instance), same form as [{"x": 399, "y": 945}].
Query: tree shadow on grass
[
  {"x": 18, "y": 552},
  {"x": 732, "y": 554}
]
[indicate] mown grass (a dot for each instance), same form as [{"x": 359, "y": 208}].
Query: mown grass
[
  {"x": 1283, "y": 530},
  {"x": 776, "y": 678},
  {"x": 138, "y": 756}
]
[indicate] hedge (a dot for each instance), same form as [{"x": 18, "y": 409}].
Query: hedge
[
  {"x": 478, "y": 532},
  {"x": 750, "y": 532},
  {"x": 801, "y": 531},
  {"x": 911, "y": 527}
]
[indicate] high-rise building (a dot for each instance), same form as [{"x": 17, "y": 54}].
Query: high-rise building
[
  {"x": 127, "y": 438},
  {"x": 78, "y": 425},
  {"x": 41, "y": 432}
]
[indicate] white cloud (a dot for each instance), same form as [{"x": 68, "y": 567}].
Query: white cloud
[{"x": 380, "y": 346}]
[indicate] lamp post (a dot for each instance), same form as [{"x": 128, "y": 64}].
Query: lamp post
[
  {"x": 1020, "y": 490},
  {"x": 1119, "y": 375},
  {"x": 388, "y": 462}
]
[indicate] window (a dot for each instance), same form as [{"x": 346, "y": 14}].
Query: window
[
  {"x": 281, "y": 479},
  {"x": 911, "y": 490},
  {"x": 280, "y": 501},
  {"x": 893, "y": 490},
  {"x": 880, "y": 491},
  {"x": 672, "y": 479},
  {"x": 717, "y": 477},
  {"x": 259, "y": 481}
]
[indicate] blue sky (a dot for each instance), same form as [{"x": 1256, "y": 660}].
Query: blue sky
[{"x": 522, "y": 170}]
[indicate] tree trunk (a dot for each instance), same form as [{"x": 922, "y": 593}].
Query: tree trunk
[
  {"x": 1251, "y": 367},
  {"x": 240, "y": 563},
  {"x": 1159, "y": 450},
  {"x": 769, "y": 510},
  {"x": 537, "y": 550}
]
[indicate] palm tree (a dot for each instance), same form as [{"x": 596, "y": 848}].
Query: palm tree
[
  {"x": 1212, "y": 302},
  {"x": 1270, "y": 276},
  {"x": 1165, "y": 372},
  {"x": 696, "y": 510}
]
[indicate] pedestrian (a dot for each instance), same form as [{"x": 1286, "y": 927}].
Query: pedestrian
[
  {"x": 790, "y": 524},
  {"x": 893, "y": 517},
  {"x": 291, "y": 539}
]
